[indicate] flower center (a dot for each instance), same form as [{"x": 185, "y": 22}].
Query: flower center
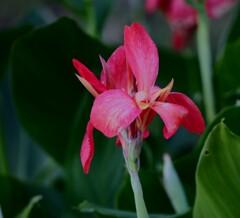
[{"x": 142, "y": 99}]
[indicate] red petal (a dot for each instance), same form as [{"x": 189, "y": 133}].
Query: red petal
[
  {"x": 172, "y": 115},
  {"x": 87, "y": 149},
  {"x": 142, "y": 55},
  {"x": 194, "y": 121},
  {"x": 113, "y": 111},
  {"x": 88, "y": 76},
  {"x": 115, "y": 72}
]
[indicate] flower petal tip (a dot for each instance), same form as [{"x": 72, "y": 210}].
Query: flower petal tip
[{"x": 87, "y": 149}]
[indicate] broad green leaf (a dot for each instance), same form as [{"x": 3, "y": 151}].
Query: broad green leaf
[
  {"x": 54, "y": 107},
  {"x": 7, "y": 38},
  {"x": 26, "y": 212},
  {"x": 86, "y": 207},
  {"x": 218, "y": 177},
  {"x": 227, "y": 74},
  {"x": 46, "y": 93},
  {"x": 104, "y": 178},
  {"x": 234, "y": 34},
  {"x": 186, "y": 166}
]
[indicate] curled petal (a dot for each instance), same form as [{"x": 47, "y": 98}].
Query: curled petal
[
  {"x": 85, "y": 73},
  {"x": 113, "y": 111},
  {"x": 142, "y": 56},
  {"x": 194, "y": 121},
  {"x": 115, "y": 71},
  {"x": 87, "y": 149},
  {"x": 172, "y": 116}
]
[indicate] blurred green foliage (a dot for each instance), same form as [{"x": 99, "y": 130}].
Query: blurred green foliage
[{"x": 53, "y": 109}]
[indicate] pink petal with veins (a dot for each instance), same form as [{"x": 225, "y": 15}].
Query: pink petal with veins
[
  {"x": 87, "y": 149},
  {"x": 113, "y": 111},
  {"x": 85, "y": 73},
  {"x": 194, "y": 121},
  {"x": 172, "y": 116},
  {"x": 142, "y": 55},
  {"x": 116, "y": 73}
]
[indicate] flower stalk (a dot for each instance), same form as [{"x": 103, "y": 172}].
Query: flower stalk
[
  {"x": 131, "y": 152},
  {"x": 205, "y": 60},
  {"x": 138, "y": 195}
]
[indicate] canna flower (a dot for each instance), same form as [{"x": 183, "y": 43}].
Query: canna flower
[
  {"x": 183, "y": 18},
  {"x": 127, "y": 99},
  {"x": 217, "y": 8}
]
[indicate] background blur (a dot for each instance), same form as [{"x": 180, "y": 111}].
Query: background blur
[{"x": 44, "y": 109}]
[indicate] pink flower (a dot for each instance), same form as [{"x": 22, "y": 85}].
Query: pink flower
[
  {"x": 127, "y": 99},
  {"x": 183, "y": 18},
  {"x": 217, "y": 8}
]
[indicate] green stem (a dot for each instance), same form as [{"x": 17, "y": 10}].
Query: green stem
[
  {"x": 138, "y": 195},
  {"x": 131, "y": 152},
  {"x": 205, "y": 60},
  {"x": 86, "y": 14},
  {"x": 91, "y": 26}
]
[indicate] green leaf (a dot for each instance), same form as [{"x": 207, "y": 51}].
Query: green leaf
[
  {"x": 104, "y": 179},
  {"x": 173, "y": 186},
  {"x": 227, "y": 74},
  {"x": 7, "y": 38},
  {"x": 54, "y": 107},
  {"x": 186, "y": 166},
  {"x": 25, "y": 213},
  {"x": 47, "y": 94},
  {"x": 218, "y": 178},
  {"x": 234, "y": 34},
  {"x": 86, "y": 207}
]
